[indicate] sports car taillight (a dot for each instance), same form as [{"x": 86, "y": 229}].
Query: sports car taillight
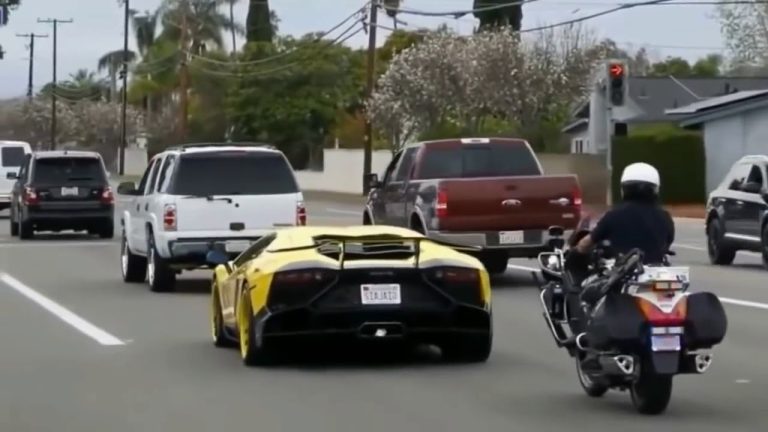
[
  {"x": 169, "y": 217},
  {"x": 655, "y": 316},
  {"x": 461, "y": 284},
  {"x": 297, "y": 287},
  {"x": 30, "y": 196}
]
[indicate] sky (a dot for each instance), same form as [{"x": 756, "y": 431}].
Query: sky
[{"x": 688, "y": 31}]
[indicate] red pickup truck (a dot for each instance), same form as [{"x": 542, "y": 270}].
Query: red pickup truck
[{"x": 489, "y": 193}]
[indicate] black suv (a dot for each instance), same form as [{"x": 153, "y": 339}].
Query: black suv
[
  {"x": 737, "y": 216},
  {"x": 62, "y": 190}
]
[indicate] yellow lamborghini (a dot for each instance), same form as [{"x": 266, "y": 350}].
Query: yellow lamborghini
[{"x": 371, "y": 283}]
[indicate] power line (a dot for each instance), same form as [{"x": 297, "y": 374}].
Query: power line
[
  {"x": 55, "y": 22},
  {"x": 30, "y": 83}
]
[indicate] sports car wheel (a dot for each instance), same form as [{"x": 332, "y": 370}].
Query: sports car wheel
[
  {"x": 133, "y": 267},
  {"x": 160, "y": 277},
  {"x": 252, "y": 349},
  {"x": 220, "y": 338},
  {"x": 468, "y": 349}
]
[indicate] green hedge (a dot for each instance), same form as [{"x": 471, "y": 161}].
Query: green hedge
[{"x": 679, "y": 157}]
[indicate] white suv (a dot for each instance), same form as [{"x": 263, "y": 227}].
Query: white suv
[
  {"x": 198, "y": 197},
  {"x": 13, "y": 154}
]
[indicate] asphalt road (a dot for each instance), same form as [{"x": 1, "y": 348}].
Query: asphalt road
[{"x": 122, "y": 359}]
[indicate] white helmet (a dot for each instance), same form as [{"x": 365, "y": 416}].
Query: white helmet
[{"x": 640, "y": 172}]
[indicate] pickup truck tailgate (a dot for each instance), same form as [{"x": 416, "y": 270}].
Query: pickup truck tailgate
[
  {"x": 218, "y": 213},
  {"x": 507, "y": 203}
]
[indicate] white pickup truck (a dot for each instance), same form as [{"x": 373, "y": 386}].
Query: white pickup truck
[{"x": 197, "y": 197}]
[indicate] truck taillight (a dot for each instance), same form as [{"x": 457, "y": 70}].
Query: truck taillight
[
  {"x": 577, "y": 197},
  {"x": 169, "y": 217},
  {"x": 441, "y": 207},
  {"x": 30, "y": 196},
  {"x": 107, "y": 197},
  {"x": 301, "y": 214}
]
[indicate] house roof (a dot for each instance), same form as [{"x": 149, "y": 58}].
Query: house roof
[
  {"x": 720, "y": 107},
  {"x": 654, "y": 95}
]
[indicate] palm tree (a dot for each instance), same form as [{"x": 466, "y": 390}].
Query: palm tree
[
  {"x": 81, "y": 85},
  {"x": 145, "y": 29},
  {"x": 113, "y": 63},
  {"x": 205, "y": 24}
]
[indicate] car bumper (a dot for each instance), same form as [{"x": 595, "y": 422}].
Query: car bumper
[
  {"x": 418, "y": 326},
  {"x": 68, "y": 214},
  {"x": 534, "y": 241},
  {"x": 194, "y": 250}
]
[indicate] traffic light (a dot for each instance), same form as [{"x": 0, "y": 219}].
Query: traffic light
[{"x": 616, "y": 85}]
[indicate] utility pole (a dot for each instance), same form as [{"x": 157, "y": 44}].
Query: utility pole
[
  {"x": 30, "y": 83},
  {"x": 124, "y": 94},
  {"x": 370, "y": 74},
  {"x": 184, "y": 77},
  {"x": 55, "y": 23}
]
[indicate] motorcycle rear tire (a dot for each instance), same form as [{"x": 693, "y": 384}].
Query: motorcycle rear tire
[
  {"x": 591, "y": 388},
  {"x": 651, "y": 393}
]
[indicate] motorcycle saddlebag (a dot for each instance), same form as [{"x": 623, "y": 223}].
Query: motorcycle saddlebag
[
  {"x": 706, "y": 322},
  {"x": 617, "y": 322}
]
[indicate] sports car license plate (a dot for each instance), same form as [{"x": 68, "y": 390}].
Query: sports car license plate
[
  {"x": 510, "y": 237},
  {"x": 70, "y": 191},
  {"x": 237, "y": 246},
  {"x": 665, "y": 343},
  {"x": 377, "y": 294}
]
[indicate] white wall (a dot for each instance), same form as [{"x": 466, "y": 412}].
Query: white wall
[{"x": 342, "y": 171}]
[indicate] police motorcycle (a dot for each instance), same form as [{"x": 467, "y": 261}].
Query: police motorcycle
[{"x": 628, "y": 325}]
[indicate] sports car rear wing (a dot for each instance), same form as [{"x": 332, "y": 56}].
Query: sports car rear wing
[{"x": 373, "y": 245}]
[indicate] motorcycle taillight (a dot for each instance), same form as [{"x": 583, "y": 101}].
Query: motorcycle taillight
[{"x": 657, "y": 317}]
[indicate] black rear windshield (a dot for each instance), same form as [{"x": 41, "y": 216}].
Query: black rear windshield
[
  {"x": 12, "y": 156},
  {"x": 234, "y": 173},
  {"x": 68, "y": 170},
  {"x": 478, "y": 160}
]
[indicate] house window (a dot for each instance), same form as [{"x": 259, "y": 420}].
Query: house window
[{"x": 578, "y": 145}]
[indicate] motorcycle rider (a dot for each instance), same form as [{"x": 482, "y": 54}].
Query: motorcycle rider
[{"x": 638, "y": 221}]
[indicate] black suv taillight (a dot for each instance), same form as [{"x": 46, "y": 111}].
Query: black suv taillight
[
  {"x": 297, "y": 287},
  {"x": 460, "y": 283}
]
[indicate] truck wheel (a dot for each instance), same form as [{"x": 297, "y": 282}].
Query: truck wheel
[
  {"x": 160, "y": 276},
  {"x": 14, "y": 225},
  {"x": 495, "y": 264},
  {"x": 133, "y": 267}
]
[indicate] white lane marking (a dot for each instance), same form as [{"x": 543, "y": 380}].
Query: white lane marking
[
  {"x": 703, "y": 249},
  {"x": 55, "y": 243},
  {"x": 347, "y": 212},
  {"x": 61, "y": 312},
  {"x": 742, "y": 381},
  {"x": 736, "y": 302}
]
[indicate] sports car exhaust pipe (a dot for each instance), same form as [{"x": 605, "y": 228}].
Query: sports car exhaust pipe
[
  {"x": 381, "y": 330},
  {"x": 703, "y": 361}
]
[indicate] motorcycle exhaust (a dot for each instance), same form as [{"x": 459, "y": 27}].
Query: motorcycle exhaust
[
  {"x": 703, "y": 362},
  {"x": 621, "y": 364}
]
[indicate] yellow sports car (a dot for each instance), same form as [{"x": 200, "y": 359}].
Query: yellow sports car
[{"x": 373, "y": 283}]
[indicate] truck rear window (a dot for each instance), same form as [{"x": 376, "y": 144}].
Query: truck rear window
[
  {"x": 478, "y": 161},
  {"x": 12, "y": 156},
  {"x": 68, "y": 169},
  {"x": 234, "y": 173}
]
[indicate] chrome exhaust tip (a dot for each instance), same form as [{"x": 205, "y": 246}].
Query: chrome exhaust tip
[
  {"x": 703, "y": 361},
  {"x": 578, "y": 341},
  {"x": 625, "y": 363}
]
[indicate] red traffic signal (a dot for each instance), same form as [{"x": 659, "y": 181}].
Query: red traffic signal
[{"x": 616, "y": 70}]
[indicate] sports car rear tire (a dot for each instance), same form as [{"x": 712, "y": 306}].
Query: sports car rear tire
[
  {"x": 252, "y": 349},
  {"x": 468, "y": 349}
]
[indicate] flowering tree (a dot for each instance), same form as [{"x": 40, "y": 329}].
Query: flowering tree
[
  {"x": 464, "y": 80},
  {"x": 97, "y": 126},
  {"x": 35, "y": 120},
  {"x": 745, "y": 30}
]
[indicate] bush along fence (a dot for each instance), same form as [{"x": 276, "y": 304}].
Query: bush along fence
[{"x": 679, "y": 158}]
